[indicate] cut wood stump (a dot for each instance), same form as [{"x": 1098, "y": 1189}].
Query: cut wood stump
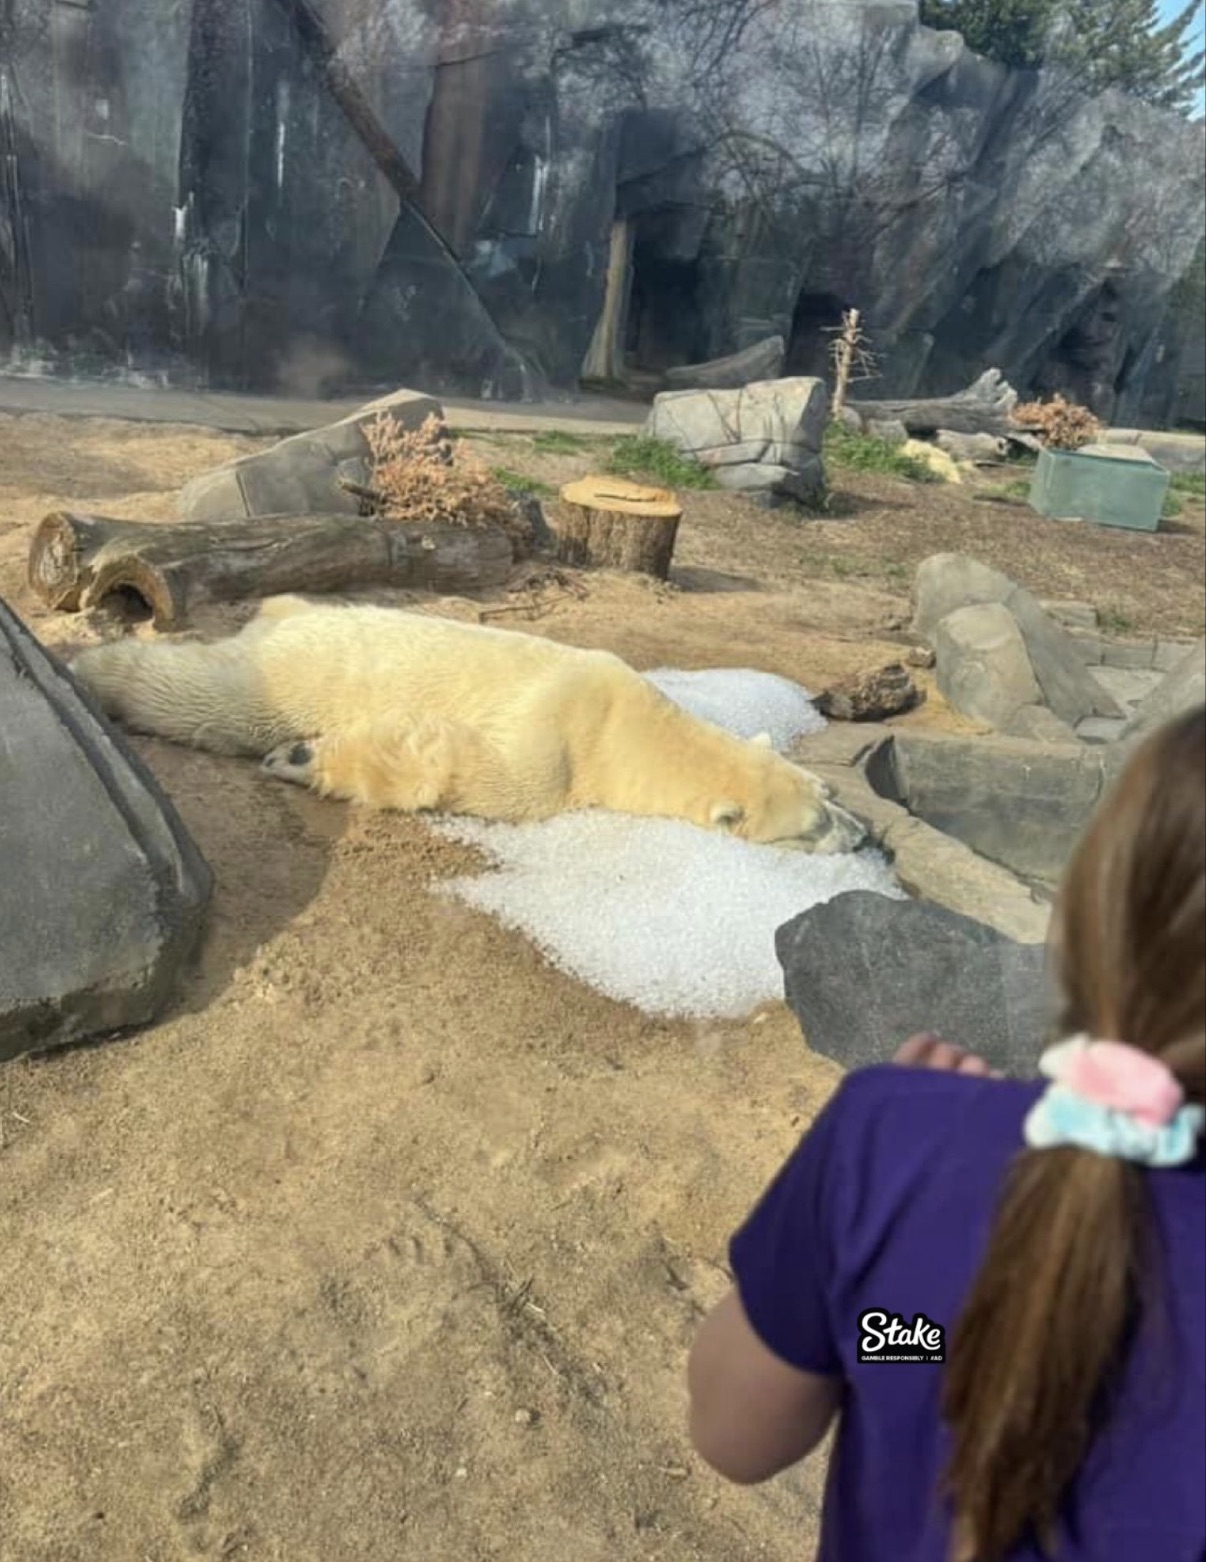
[
  {"x": 616, "y": 524},
  {"x": 79, "y": 562}
]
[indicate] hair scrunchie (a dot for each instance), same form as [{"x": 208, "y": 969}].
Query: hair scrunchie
[{"x": 1115, "y": 1100}]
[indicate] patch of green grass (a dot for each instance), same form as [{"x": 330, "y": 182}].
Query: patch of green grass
[
  {"x": 636, "y": 455},
  {"x": 844, "y": 566},
  {"x": 1192, "y": 484},
  {"x": 1114, "y": 621},
  {"x": 852, "y": 452},
  {"x": 1016, "y": 492},
  {"x": 517, "y": 482},
  {"x": 556, "y": 442},
  {"x": 1172, "y": 505}
]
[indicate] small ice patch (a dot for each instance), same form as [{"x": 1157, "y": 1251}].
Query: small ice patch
[
  {"x": 743, "y": 702},
  {"x": 678, "y": 921}
]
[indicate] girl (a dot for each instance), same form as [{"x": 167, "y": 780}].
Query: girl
[{"x": 1038, "y": 1250}]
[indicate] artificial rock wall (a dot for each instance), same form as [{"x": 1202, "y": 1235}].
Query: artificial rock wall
[{"x": 321, "y": 194}]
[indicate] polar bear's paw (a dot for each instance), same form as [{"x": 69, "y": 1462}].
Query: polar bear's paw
[{"x": 293, "y": 762}]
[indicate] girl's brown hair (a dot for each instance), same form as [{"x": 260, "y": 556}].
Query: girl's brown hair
[{"x": 1046, "y": 1326}]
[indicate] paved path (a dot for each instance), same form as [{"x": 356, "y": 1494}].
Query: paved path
[{"x": 271, "y": 415}]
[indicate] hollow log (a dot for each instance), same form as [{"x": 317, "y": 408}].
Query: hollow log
[
  {"x": 614, "y": 524},
  {"x": 76, "y": 562},
  {"x": 983, "y": 408}
]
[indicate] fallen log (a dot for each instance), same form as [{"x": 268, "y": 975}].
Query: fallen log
[
  {"x": 78, "y": 562},
  {"x": 983, "y": 408}
]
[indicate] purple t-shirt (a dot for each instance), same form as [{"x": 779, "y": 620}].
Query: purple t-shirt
[{"x": 886, "y": 1206}]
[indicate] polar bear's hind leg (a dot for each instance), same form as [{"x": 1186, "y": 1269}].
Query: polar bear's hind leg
[{"x": 413, "y": 767}]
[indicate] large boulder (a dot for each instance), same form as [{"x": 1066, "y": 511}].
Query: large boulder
[
  {"x": 983, "y": 667},
  {"x": 960, "y": 607},
  {"x": 1021, "y": 804},
  {"x": 301, "y": 475},
  {"x": 1179, "y": 691},
  {"x": 863, "y": 973},
  {"x": 102, "y": 892},
  {"x": 1069, "y": 688},
  {"x": 946, "y": 581},
  {"x": 765, "y": 438}
]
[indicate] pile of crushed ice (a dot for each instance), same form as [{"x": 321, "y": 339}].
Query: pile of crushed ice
[{"x": 676, "y": 920}]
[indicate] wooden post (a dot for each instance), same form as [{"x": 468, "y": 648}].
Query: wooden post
[
  {"x": 615, "y": 524},
  {"x": 76, "y": 562},
  {"x": 605, "y": 357}
]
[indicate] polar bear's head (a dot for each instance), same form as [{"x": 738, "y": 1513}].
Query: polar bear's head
[{"x": 783, "y": 805}]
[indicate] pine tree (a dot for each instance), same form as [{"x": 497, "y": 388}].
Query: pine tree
[
  {"x": 1123, "y": 44},
  {"x": 1012, "y": 32},
  {"x": 1103, "y": 43}
]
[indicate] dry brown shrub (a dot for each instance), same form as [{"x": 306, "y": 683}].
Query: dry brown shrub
[
  {"x": 1059, "y": 424},
  {"x": 416, "y": 479}
]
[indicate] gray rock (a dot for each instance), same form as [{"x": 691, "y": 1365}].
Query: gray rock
[
  {"x": 783, "y": 413},
  {"x": 863, "y": 973},
  {"x": 252, "y": 204},
  {"x": 947, "y": 581},
  {"x": 1041, "y": 725},
  {"x": 1137, "y": 654},
  {"x": 764, "y": 439},
  {"x": 1068, "y": 687},
  {"x": 102, "y": 893},
  {"x": 1021, "y": 804},
  {"x": 1100, "y": 729},
  {"x": 983, "y": 667},
  {"x": 1089, "y": 647},
  {"x": 1072, "y": 615},
  {"x": 950, "y": 581},
  {"x": 775, "y": 484},
  {"x": 1128, "y": 686},
  {"x": 1169, "y": 653},
  {"x": 891, "y": 430},
  {"x": 300, "y": 476},
  {"x": 763, "y": 361},
  {"x": 1178, "y": 691}
]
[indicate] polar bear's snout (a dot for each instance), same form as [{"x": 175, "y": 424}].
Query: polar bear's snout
[
  {"x": 845, "y": 830},
  {"x": 835, "y": 833}
]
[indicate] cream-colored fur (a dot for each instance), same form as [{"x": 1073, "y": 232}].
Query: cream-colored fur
[{"x": 402, "y": 710}]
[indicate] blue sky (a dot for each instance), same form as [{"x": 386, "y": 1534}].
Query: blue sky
[{"x": 1169, "y": 9}]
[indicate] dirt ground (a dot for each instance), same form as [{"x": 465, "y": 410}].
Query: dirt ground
[{"x": 389, "y": 1242}]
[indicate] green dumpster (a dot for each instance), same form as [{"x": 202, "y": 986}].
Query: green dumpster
[{"x": 1103, "y": 483}]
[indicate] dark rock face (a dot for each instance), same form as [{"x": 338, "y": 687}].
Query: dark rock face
[
  {"x": 102, "y": 893},
  {"x": 863, "y": 973},
  {"x": 318, "y": 193}
]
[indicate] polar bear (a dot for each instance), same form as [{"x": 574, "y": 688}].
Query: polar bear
[{"x": 402, "y": 710}]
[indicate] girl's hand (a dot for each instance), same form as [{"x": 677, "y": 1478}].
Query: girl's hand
[{"x": 929, "y": 1051}]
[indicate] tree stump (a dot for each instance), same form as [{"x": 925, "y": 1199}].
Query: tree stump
[
  {"x": 615, "y": 524},
  {"x": 870, "y": 696},
  {"x": 77, "y": 562}
]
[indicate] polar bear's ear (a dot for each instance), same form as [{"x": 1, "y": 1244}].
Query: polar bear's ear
[
  {"x": 763, "y": 740},
  {"x": 726, "y": 816}
]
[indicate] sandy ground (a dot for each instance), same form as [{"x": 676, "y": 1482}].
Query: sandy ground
[{"x": 389, "y": 1242}]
